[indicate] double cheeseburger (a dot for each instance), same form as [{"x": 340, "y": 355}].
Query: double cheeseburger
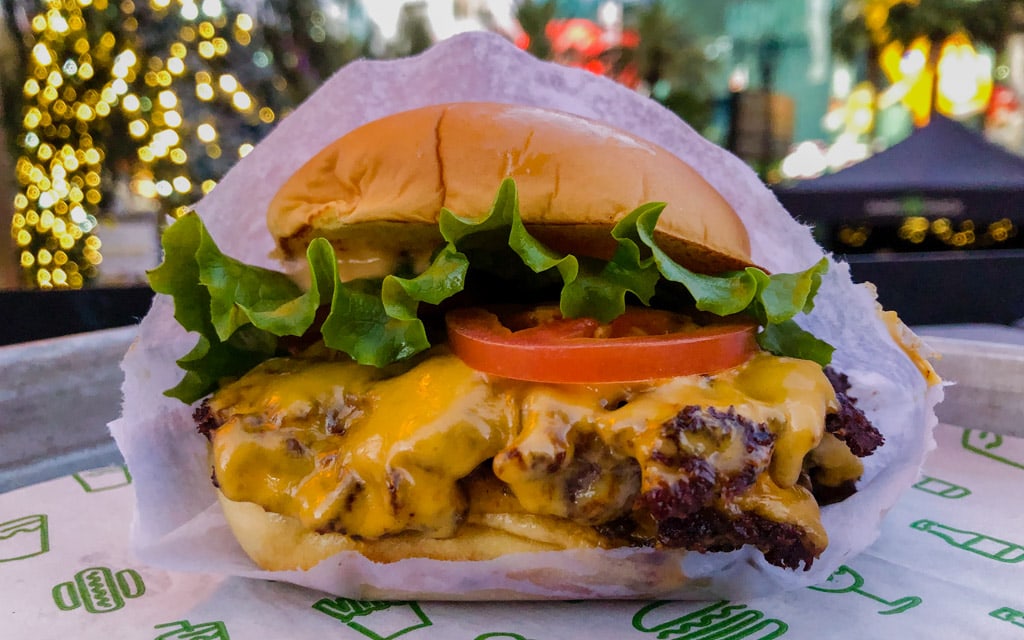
[{"x": 506, "y": 329}]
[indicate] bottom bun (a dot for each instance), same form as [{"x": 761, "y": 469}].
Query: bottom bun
[{"x": 280, "y": 543}]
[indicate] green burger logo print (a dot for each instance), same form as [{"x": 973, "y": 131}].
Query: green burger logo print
[
  {"x": 98, "y": 590},
  {"x": 722, "y": 620}
]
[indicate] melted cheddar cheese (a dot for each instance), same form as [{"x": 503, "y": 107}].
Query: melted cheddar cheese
[{"x": 348, "y": 448}]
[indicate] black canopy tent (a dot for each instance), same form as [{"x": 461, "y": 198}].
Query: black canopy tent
[{"x": 941, "y": 170}]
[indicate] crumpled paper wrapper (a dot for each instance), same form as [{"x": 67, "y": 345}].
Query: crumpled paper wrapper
[{"x": 178, "y": 524}]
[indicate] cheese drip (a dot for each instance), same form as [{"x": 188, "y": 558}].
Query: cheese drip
[{"x": 340, "y": 447}]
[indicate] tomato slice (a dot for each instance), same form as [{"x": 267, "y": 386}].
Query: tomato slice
[{"x": 642, "y": 344}]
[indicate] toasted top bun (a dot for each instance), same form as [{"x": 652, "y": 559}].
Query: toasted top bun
[{"x": 383, "y": 185}]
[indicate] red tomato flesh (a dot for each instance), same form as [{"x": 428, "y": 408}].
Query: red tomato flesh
[{"x": 642, "y": 344}]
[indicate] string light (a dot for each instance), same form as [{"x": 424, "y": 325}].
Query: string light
[
  {"x": 91, "y": 59},
  {"x": 60, "y": 165}
]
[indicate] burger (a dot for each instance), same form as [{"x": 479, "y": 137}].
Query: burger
[{"x": 501, "y": 329}]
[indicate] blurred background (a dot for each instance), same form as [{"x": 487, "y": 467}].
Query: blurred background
[{"x": 894, "y": 127}]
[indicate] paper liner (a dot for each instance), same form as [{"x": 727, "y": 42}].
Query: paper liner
[{"x": 177, "y": 523}]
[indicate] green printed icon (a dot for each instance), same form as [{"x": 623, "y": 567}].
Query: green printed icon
[
  {"x": 983, "y": 545},
  {"x": 99, "y": 590},
  {"x": 24, "y": 537},
  {"x": 846, "y": 580},
  {"x": 185, "y": 630},
  {"x": 377, "y": 620},
  {"x": 1006, "y": 614},
  {"x": 104, "y": 478},
  {"x": 941, "y": 488},
  {"x": 719, "y": 621},
  {"x": 994, "y": 446}
]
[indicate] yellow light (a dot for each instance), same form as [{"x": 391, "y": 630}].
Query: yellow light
[
  {"x": 92, "y": 256},
  {"x": 57, "y": 21},
  {"x": 39, "y": 23},
  {"x": 145, "y": 188},
  {"x": 27, "y": 259},
  {"x": 244, "y": 21},
  {"x": 166, "y": 138},
  {"x": 178, "y": 50},
  {"x": 176, "y": 66},
  {"x": 45, "y": 221},
  {"x": 44, "y": 257},
  {"x": 172, "y": 119},
  {"x": 24, "y": 238},
  {"x": 213, "y": 151},
  {"x": 178, "y": 156},
  {"x": 182, "y": 184},
  {"x": 164, "y": 78},
  {"x": 42, "y": 54},
  {"x": 146, "y": 154},
  {"x": 31, "y": 87},
  {"x": 92, "y": 156},
  {"x": 138, "y": 128},
  {"x": 242, "y": 101},
  {"x": 208, "y": 186},
  {"x": 75, "y": 281},
  {"x": 206, "y": 133},
  {"x": 204, "y": 92},
  {"x": 84, "y": 112},
  {"x": 45, "y": 152},
  {"x": 164, "y": 188},
  {"x": 92, "y": 196},
  {"x": 68, "y": 240},
  {"x": 131, "y": 103},
  {"x": 32, "y": 118},
  {"x": 243, "y": 150},
  {"x": 60, "y": 278},
  {"x": 20, "y": 202},
  {"x": 220, "y": 46},
  {"x": 206, "y": 29},
  {"x": 167, "y": 99},
  {"x": 160, "y": 4},
  {"x": 94, "y": 243},
  {"x": 43, "y": 278},
  {"x": 32, "y": 219},
  {"x": 228, "y": 83},
  {"x": 267, "y": 115},
  {"x": 206, "y": 49},
  {"x": 55, "y": 79},
  {"x": 85, "y": 71}
]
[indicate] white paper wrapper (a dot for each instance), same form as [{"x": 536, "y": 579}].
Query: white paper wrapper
[{"x": 178, "y": 524}]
